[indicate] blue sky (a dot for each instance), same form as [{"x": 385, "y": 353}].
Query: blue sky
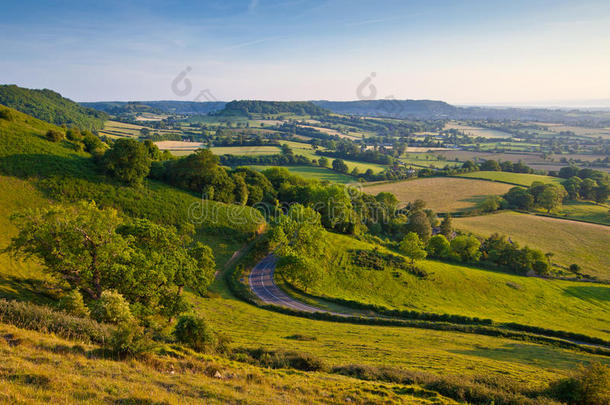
[{"x": 467, "y": 52}]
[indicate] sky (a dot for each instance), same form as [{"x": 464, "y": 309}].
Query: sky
[{"x": 463, "y": 52}]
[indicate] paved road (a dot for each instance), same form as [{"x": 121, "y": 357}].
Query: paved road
[{"x": 262, "y": 284}]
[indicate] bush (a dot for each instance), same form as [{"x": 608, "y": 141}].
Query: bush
[
  {"x": 590, "y": 386},
  {"x": 280, "y": 359},
  {"x": 194, "y": 332},
  {"x": 73, "y": 304},
  {"x": 54, "y": 136},
  {"x": 43, "y": 319},
  {"x": 130, "y": 339},
  {"x": 112, "y": 307},
  {"x": 7, "y": 115}
]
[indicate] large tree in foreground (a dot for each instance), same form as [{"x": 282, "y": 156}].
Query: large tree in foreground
[
  {"x": 127, "y": 160},
  {"x": 93, "y": 250}
]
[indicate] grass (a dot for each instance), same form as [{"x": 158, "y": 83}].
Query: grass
[
  {"x": 463, "y": 290},
  {"x": 585, "y": 211},
  {"x": 477, "y": 131},
  {"x": 314, "y": 172},
  {"x": 245, "y": 150},
  {"x": 520, "y": 179},
  {"x": 570, "y": 241},
  {"x": 442, "y": 194},
  {"x": 115, "y": 129},
  {"x": 38, "y": 368}
]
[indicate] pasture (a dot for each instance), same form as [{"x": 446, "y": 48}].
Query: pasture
[
  {"x": 314, "y": 173},
  {"x": 464, "y": 290},
  {"x": 569, "y": 241},
  {"x": 442, "y": 194},
  {"x": 477, "y": 131},
  {"x": 519, "y": 179}
]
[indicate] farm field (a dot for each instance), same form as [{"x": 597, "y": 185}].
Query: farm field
[
  {"x": 464, "y": 290},
  {"x": 569, "y": 241},
  {"x": 477, "y": 131},
  {"x": 314, "y": 172},
  {"x": 585, "y": 211},
  {"x": 521, "y": 179},
  {"x": 115, "y": 129},
  {"x": 442, "y": 194}
]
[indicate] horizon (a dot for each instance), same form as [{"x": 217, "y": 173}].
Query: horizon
[{"x": 523, "y": 54}]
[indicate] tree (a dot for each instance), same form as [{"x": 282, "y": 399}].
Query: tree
[
  {"x": 447, "y": 226},
  {"x": 490, "y": 165},
  {"x": 572, "y": 186},
  {"x": 418, "y": 222},
  {"x": 323, "y": 162},
  {"x": 551, "y": 197},
  {"x": 519, "y": 198},
  {"x": 413, "y": 247},
  {"x": 601, "y": 193},
  {"x": 127, "y": 160},
  {"x": 491, "y": 203},
  {"x": 340, "y": 166},
  {"x": 54, "y": 135},
  {"x": 439, "y": 247},
  {"x": 465, "y": 248}
]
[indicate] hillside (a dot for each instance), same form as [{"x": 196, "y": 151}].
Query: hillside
[
  {"x": 245, "y": 107},
  {"x": 50, "y": 106},
  {"x": 159, "y": 107}
]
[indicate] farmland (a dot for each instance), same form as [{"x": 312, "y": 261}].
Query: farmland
[
  {"x": 520, "y": 179},
  {"x": 477, "y": 131},
  {"x": 314, "y": 172},
  {"x": 569, "y": 241},
  {"x": 442, "y": 194}
]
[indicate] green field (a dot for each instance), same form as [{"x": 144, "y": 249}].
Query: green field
[
  {"x": 462, "y": 290},
  {"x": 570, "y": 241},
  {"x": 521, "y": 179},
  {"x": 245, "y": 150},
  {"x": 315, "y": 172},
  {"x": 477, "y": 131},
  {"x": 585, "y": 211},
  {"x": 442, "y": 194}
]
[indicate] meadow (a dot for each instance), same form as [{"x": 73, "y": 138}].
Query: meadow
[
  {"x": 477, "y": 131},
  {"x": 464, "y": 290},
  {"x": 314, "y": 172},
  {"x": 569, "y": 241},
  {"x": 442, "y": 194},
  {"x": 519, "y": 179},
  {"x": 584, "y": 211}
]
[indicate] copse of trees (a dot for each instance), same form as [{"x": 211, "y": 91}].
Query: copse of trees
[
  {"x": 547, "y": 196},
  {"x": 127, "y": 160}
]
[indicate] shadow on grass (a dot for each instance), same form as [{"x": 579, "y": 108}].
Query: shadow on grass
[{"x": 590, "y": 293}]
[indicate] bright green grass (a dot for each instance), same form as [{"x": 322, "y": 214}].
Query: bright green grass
[
  {"x": 445, "y": 353},
  {"x": 314, "y": 172},
  {"x": 585, "y": 211},
  {"x": 462, "y": 290},
  {"x": 245, "y": 150},
  {"x": 522, "y": 179},
  {"x": 569, "y": 241}
]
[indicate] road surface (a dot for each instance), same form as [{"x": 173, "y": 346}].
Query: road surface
[{"x": 263, "y": 286}]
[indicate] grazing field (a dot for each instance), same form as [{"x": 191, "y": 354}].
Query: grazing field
[
  {"x": 115, "y": 129},
  {"x": 569, "y": 241},
  {"x": 442, "y": 194},
  {"x": 521, "y": 179},
  {"x": 245, "y": 150},
  {"x": 456, "y": 289},
  {"x": 477, "y": 131},
  {"x": 585, "y": 211},
  {"x": 313, "y": 172}
]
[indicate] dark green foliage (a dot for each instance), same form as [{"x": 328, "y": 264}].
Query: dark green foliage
[
  {"x": 340, "y": 166},
  {"x": 193, "y": 331},
  {"x": 50, "y": 106},
  {"x": 6, "y": 114},
  {"x": 446, "y": 227},
  {"x": 54, "y": 135},
  {"x": 500, "y": 250},
  {"x": 245, "y": 107},
  {"x": 374, "y": 259},
  {"x": 588, "y": 386},
  {"x": 127, "y": 160},
  {"x": 281, "y": 359}
]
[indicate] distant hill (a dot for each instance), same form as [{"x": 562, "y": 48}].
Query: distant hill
[
  {"x": 423, "y": 109},
  {"x": 244, "y": 107},
  {"x": 50, "y": 106},
  {"x": 157, "y": 107}
]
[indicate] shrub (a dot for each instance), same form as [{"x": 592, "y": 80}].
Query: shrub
[
  {"x": 44, "y": 319},
  {"x": 590, "y": 386},
  {"x": 7, "y": 115},
  {"x": 130, "y": 339},
  {"x": 54, "y": 136},
  {"x": 73, "y": 304},
  {"x": 112, "y": 307},
  {"x": 194, "y": 332}
]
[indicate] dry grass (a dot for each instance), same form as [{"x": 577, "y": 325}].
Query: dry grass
[{"x": 442, "y": 194}]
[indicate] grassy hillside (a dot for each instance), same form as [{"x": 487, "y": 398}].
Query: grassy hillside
[
  {"x": 50, "y": 106},
  {"x": 442, "y": 194},
  {"x": 39, "y": 368},
  {"x": 519, "y": 179},
  {"x": 570, "y": 241},
  {"x": 463, "y": 290},
  {"x": 313, "y": 172}
]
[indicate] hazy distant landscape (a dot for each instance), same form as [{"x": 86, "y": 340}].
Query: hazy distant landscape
[{"x": 320, "y": 202}]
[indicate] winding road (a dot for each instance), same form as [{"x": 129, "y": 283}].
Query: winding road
[{"x": 264, "y": 287}]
